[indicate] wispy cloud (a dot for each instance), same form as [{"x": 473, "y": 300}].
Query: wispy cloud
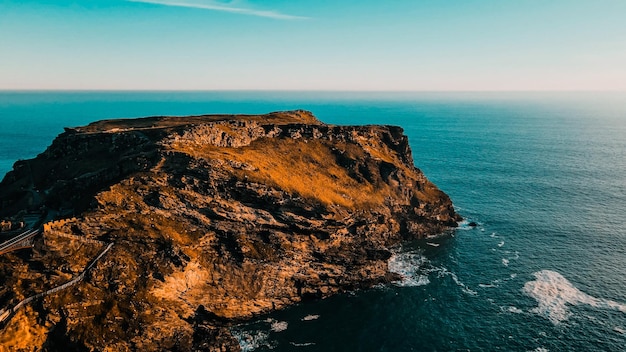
[{"x": 232, "y": 6}]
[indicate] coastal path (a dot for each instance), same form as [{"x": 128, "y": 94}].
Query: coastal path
[
  {"x": 23, "y": 240},
  {"x": 6, "y": 314}
]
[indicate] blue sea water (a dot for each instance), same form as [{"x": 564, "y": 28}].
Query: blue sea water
[{"x": 543, "y": 174}]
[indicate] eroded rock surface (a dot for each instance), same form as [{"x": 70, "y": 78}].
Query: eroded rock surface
[{"x": 214, "y": 219}]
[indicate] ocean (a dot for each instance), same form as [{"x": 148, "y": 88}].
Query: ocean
[{"x": 543, "y": 175}]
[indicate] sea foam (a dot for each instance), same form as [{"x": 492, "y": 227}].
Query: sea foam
[
  {"x": 464, "y": 225},
  {"x": 251, "y": 340},
  {"x": 414, "y": 268},
  {"x": 553, "y": 293},
  {"x": 278, "y": 326},
  {"x": 407, "y": 266},
  {"x": 442, "y": 272},
  {"x": 306, "y": 344},
  {"x": 512, "y": 309}
]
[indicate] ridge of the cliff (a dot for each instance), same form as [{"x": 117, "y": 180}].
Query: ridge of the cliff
[
  {"x": 164, "y": 122},
  {"x": 209, "y": 220}
]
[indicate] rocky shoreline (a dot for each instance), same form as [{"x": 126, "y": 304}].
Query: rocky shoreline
[{"x": 215, "y": 219}]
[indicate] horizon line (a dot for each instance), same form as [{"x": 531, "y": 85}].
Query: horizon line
[{"x": 260, "y": 90}]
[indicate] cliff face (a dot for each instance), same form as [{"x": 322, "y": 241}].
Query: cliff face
[{"x": 213, "y": 219}]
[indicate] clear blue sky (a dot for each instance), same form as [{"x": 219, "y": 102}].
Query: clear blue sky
[{"x": 314, "y": 45}]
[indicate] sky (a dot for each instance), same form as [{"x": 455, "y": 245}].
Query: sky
[{"x": 365, "y": 45}]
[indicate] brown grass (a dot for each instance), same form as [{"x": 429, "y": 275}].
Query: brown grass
[
  {"x": 304, "y": 168},
  {"x": 153, "y": 122}
]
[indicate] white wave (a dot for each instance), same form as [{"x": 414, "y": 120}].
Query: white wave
[
  {"x": 432, "y": 244},
  {"x": 462, "y": 285},
  {"x": 311, "y": 317},
  {"x": 407, "y": 265},
  {"x": 302, "y": 344},
  {"x": 278, "y": 326},
  {"x": 464, "y": 225},
  {"x": 620, "y": 330},
  {"x": 251, "y": 340},
  {"x": 439, "y": 235},
  {"x": 492, "y": 284},
  {"x": 554, "y": 293},
  {"x": 441, "y": 272},
  {"x": 505, "y": 262},
  {"x": 513, "y": 276},
  {"x": 411, "y": 267},
  {"x": 512, "y": 309},
  {"x": 540, "y": 349},
  {"x": 493, "y": 235},
  {"x": 501, "y": 244},
  {"x": 420, "y": 280}
]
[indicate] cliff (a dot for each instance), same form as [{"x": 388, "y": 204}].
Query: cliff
[{"x": 212, "y": 220}]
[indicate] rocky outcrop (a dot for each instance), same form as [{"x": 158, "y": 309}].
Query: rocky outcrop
[
  {"x": 6, "y": 226},
  {"x": 215, "y": 219}
]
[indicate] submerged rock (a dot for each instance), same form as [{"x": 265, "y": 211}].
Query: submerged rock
[{"x": 214, "y": 219}]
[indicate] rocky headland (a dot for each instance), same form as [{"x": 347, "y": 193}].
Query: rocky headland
[{"x": 202, "y": 222}]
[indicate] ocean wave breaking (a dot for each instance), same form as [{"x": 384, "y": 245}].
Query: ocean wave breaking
[
  {"x": 415, "y": 269},
  {"x": 491, "y": 285},
  {"x": 407, "y": 266},
  {"x": 306, "y": 344},
  {"x": 465, "y": 225},
  {"x": 279, "y": 326},
  {"x": 445, "y": 272},
  {"x": 554, "y": 293},
  {"x": 511, "y": 309},
  {"x": 311, "y": 317},
  {"x": 252, "y": 340}
]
